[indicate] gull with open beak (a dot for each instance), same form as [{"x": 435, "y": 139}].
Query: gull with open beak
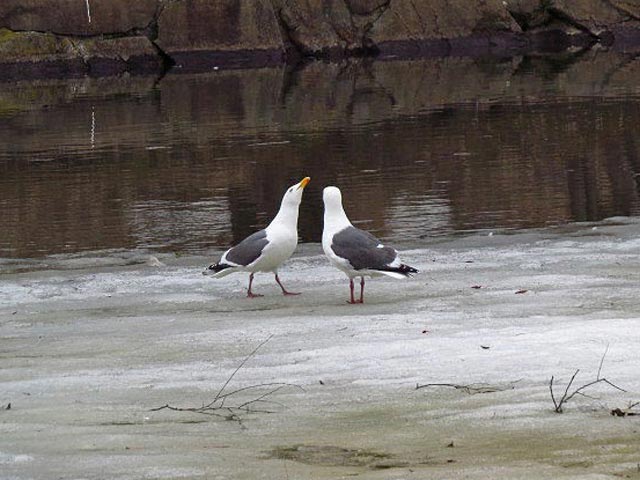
[{"x": 266, "y": 250}]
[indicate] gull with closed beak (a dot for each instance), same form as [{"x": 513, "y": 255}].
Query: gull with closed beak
[{"x": 356, "y": 252}]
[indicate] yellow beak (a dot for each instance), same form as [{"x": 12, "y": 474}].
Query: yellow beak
[{"x": 303, "y": 182}]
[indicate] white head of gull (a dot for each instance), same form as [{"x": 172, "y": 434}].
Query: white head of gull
[
  {"x": 266, "y": 250},
  {"x": 355, "y": 252}
]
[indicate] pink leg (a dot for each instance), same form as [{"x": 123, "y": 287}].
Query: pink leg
[
  {"x": 361, "y": 290},
  {"x": 284, "y": 291},
  {"x": 250, "y": 294},
  {"x": 353, "y": 300}
]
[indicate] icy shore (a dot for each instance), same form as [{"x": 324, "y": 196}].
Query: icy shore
[{"x": 90, "y": 344}]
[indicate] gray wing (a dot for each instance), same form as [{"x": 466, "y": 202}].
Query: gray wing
[
  {"x": 361, "y": 249},
  {"x": 249, "y": 249}
]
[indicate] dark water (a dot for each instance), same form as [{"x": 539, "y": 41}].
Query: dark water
[{"x": 420, "y": 148}]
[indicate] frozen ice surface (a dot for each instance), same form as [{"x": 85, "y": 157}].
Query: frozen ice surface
[{"x": 90, "y": 343}]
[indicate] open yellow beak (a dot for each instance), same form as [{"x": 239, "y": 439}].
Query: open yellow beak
[{"x": 303, "y": 182}]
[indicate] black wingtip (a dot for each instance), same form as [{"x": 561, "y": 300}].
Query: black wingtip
[
  {"x": 403, "y": 269},
  {"x": 218, "y": 267},
  {"x": 407, "y": 270}
]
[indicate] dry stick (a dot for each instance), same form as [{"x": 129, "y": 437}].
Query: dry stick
[
  {"x": 590, "y": 397},
  {"x": 566, "y": 396},
  {"x": 618, "y": 412},
  {"x": 606, "y": 350},
  {"x": 246, "y": 359},
  {"x": 566, "y": 390},
  {"x": 243, "y": 406},
  {"x": 195, "y": 410},
  {"x": 261, "y": 398},
  {"x": 222, "y": 396},
  {"x": 470, "y": 389},
  {"x": 553, "y": 398},
  {"x": 233, "y": 392}
]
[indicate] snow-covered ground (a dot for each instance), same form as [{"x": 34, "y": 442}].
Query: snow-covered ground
[{"x": 89, "y": 344}]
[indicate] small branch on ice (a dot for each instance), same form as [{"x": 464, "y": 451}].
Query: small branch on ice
[
  {"x": 219, "y": 406},
  {"x": 618, "y": 412},
  {"x": 558, "y": 404},
  {"x": 606, "y": 350},
  {"x": 472, "y": 388}
]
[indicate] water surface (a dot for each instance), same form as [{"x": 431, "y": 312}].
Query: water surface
[{"x": 421, "y": 148}]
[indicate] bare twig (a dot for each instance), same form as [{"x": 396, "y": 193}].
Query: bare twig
[
  {"x": 471, "y": 389},
  {"x": 250, "y": 387},
  {"x": 590, "y": 397},
  {"x": 179, "y": 409},
  {"x": 567, "y": 395},
  {"x": 566, "y": 390},
  {"x": 627, "y": 412},
  {"x": 246, "y": 359},
  {"x": 218, "y": 406},
  {"x": 553, "y": 397},
  {"x": 618, "y": 412},
  {"x": 606, "y": 350},
  {"x": 261, "y": 397}
]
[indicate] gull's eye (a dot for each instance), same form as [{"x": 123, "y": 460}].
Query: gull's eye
[{"x": 290, "y": 190}]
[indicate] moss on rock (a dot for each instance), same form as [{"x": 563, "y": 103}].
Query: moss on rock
[{"x": 33, "y": 47}]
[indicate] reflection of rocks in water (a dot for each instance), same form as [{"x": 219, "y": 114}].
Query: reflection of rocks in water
[
  {"x": 171, "y": 224},
  {"x": 419, "y": 147}
]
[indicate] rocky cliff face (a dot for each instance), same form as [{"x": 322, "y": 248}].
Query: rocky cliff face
[
  {"x": 77, "y": 37},
  {"x": 197, "y": 33}
]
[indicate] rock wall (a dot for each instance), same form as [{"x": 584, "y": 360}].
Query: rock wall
[
  {"x": 201, "y": 33},
  {"x": 71, "y": 17},
  {"x": 78, "y": 37}
]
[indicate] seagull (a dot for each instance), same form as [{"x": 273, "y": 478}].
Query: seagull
[
  {"x": 356, "y": 252},
  {"x": 266, "y": 250}
]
